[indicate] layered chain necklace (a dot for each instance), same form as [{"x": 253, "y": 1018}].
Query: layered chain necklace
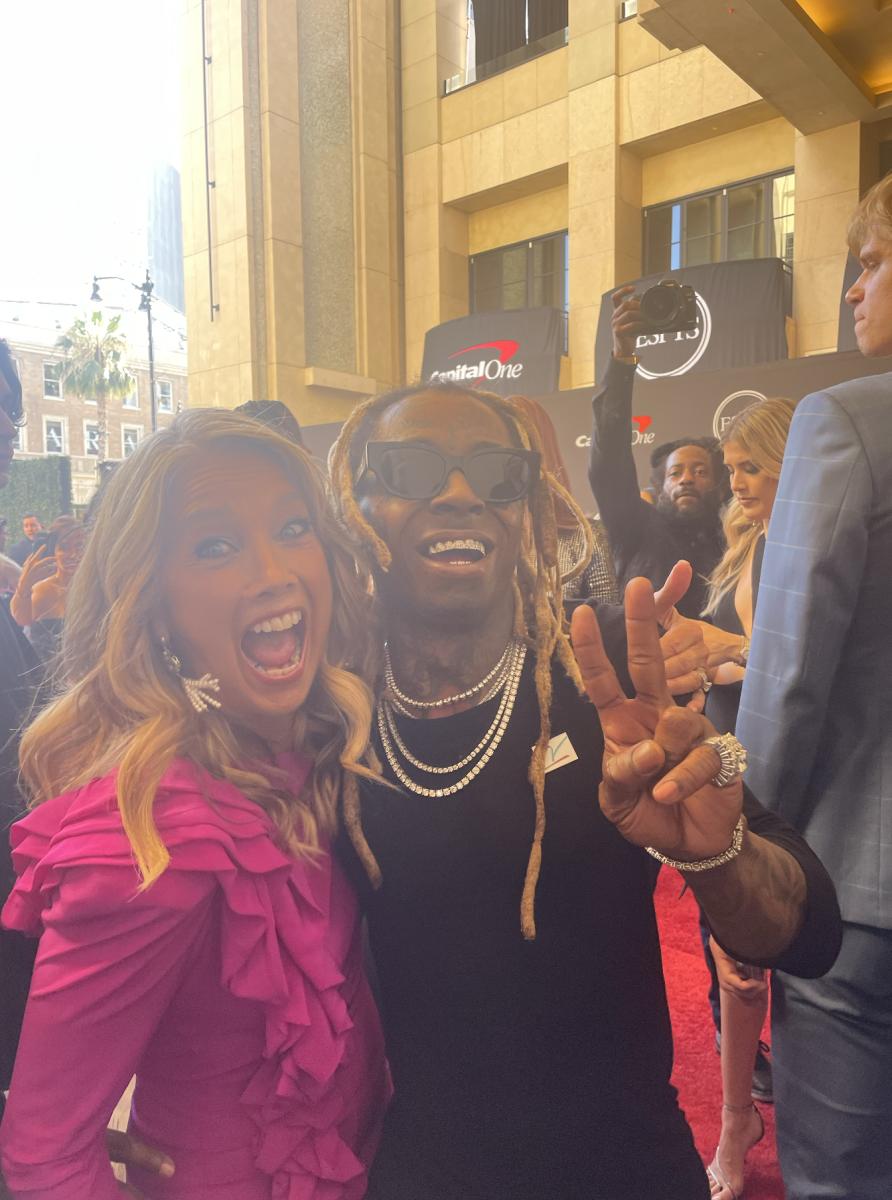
[{"x": 504, "y": 678}]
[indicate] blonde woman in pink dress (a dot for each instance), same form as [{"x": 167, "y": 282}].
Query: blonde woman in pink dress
[{"x": 195, "y": 931}]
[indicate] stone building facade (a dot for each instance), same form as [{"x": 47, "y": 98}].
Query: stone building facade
[
  {"x": 60, "y": 423},
  {"x": 348, "y": 166}
]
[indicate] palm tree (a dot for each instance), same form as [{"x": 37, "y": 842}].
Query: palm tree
[{"x": 94, "y": 365}]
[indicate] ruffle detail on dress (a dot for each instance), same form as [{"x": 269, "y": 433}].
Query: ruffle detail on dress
[{"x": 319, "y": 1095}]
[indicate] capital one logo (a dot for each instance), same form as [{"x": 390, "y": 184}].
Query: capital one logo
[
  {"x": 485, "y": 368},
  {"x": 640, "y": 434},
  {"x": 731, "y": 406},
  {"x": 675, "y": 353}
]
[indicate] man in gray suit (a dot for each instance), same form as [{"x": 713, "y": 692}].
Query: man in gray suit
[{"x": 816, "y": 718}]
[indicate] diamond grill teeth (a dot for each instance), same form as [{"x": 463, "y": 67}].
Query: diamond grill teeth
[
  {"x": 457, "y": 544},
  {"x": 278, "y": 624}
]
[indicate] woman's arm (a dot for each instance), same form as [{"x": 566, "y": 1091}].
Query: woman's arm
[
  {"x": 37, "y": 567},
  {"x": 108, "y": 964}
]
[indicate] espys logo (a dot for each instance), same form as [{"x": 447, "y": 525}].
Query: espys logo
[
  {"x": 485, "y": 368},
  {"x": 640, "y": 434},
  {"x": 731, "y": 406},
  {"x": 675, "y": 353}
]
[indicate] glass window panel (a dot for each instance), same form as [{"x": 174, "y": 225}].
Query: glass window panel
[
  {"x": 745, "y": 242},
  {"x": 489, "y": 300},
  {"x": 514, "y": 295},
  {"x": 487, "y": 271},
  {"x": 702, "y": 216},
  {"x": 746, "y": 205},
  {"x": 51, "y": 384},
  {"x": 658, "y": 237},
  {"x": 783, "y": 195},
  {"x": 782, "y": 246},
  {"x": 91, "y": 439},
  {"x": 701, "y": 250},
  {"x": 54, "y": 437},
  {"x": 548, "y": 255},
  {"x": 548, "y": 284},
  {"x": 514, "y": 265}
]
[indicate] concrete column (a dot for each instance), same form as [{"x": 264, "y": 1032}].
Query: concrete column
[
  {"x": 436, "y": 235},
  {"x": 604, "y": 179},
  {"x": 828, "y": 167}
]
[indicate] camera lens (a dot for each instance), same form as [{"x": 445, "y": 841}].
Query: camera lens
[{"x": 659, "y": 305}]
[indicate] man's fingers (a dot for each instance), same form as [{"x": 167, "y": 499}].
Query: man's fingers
[
  {"x": 643, "y": 640},
  {"x": 695, "y": 771},
  {"x": 598, "y": 676},
  {"x": 674, "y": 589},
  {"x": 621, "y": 293},
  {"x": 123, "y": 1148},
  {"x": 632, "y": 769},
  {"x": 697, "y": 702}
]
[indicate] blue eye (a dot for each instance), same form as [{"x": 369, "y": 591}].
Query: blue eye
[{"x": 212, "y": 548}]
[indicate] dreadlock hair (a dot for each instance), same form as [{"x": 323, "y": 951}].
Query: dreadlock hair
[{"x": 539, "y": 618}]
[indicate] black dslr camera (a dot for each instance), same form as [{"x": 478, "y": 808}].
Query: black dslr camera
[{"x": 669, "y": 307}]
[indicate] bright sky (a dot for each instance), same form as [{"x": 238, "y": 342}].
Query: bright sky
[{"x": 89, "y": 92}]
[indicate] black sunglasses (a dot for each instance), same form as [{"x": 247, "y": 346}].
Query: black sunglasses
[{"x": 414, "y": 472}]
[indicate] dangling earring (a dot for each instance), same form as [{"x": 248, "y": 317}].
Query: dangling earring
[{"x": 196, "y": 689}]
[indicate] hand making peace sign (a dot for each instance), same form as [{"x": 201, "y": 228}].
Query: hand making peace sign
[{"x": 656, "y": 785}]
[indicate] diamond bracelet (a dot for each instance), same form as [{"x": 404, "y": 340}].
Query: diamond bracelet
[{"x": 705, "y": 864}]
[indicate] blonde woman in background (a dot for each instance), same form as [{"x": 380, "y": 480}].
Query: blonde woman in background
[
  {"x": 753, "y": 450},
  {"x": 195, "y": 930}
]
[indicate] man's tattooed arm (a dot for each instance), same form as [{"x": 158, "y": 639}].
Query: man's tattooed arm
[{"x": 755, "y": 904}]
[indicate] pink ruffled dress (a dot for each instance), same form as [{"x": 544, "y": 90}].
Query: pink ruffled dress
[{"x": 233, "y": 988}]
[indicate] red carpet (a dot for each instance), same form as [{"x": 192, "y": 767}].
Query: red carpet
[{"x": 697, "y": 1073}]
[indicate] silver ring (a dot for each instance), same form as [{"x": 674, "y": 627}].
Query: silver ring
[
  {"x": 705, "y": 682},
  {"x": 732, "y": 754}
]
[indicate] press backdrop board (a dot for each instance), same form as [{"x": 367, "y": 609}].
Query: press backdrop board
[
  {"x": 517, "y": 351},
  {"x": 695, "y": 405},
  {"x": 741, "y": 306}
]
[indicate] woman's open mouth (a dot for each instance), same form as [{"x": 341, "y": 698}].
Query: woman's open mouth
[{"x": 274, "y": 647}]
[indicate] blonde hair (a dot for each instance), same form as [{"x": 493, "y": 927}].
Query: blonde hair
[
  {"x": 120, "y": 707},
  {"x": 539, "y": 615},
  {"x": 761, "y": 431},
  {"x": 874, "y": 212}
]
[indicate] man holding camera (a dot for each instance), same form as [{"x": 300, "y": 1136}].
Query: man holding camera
[{"x": 684, "y": 523}]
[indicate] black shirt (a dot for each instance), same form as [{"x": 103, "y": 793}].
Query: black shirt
[
  {"x": 723, "y": 700},
  {"x": 644, "y": 540},
  {"x": 523, "y": 1069}
]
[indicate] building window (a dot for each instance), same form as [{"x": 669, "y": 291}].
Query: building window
[
  {"x": 18, "y": 439},
  {"x": 751, "y": 219},
  {"x": 52, "y": 380},
  {"x": 164, "y": 395},
  {"x": 131, "y": 400},
  {"x": 529, "y": 274},
  {"x": 131, "y": 436},
  {"x": 504, "y": 33},
  {"x": 91, "y": 438},
  {"x": 54, "y": 435}
]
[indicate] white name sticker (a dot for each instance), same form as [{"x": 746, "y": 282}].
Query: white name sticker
[{"x": 559, "y": 752}]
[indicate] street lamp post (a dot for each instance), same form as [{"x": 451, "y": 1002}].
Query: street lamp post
[{"x": 146, "y": 288}]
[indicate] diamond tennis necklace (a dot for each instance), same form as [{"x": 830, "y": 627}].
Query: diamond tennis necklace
[
  {"x": 393, "y": 745},
  {"x": 457, "y": 698}
]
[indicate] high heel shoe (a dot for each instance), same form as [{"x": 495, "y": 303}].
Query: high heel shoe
[{"x": 719, "y": 1184}]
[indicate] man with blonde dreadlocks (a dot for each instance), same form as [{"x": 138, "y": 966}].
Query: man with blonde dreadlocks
[{"x": 532, "y": 1059}]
